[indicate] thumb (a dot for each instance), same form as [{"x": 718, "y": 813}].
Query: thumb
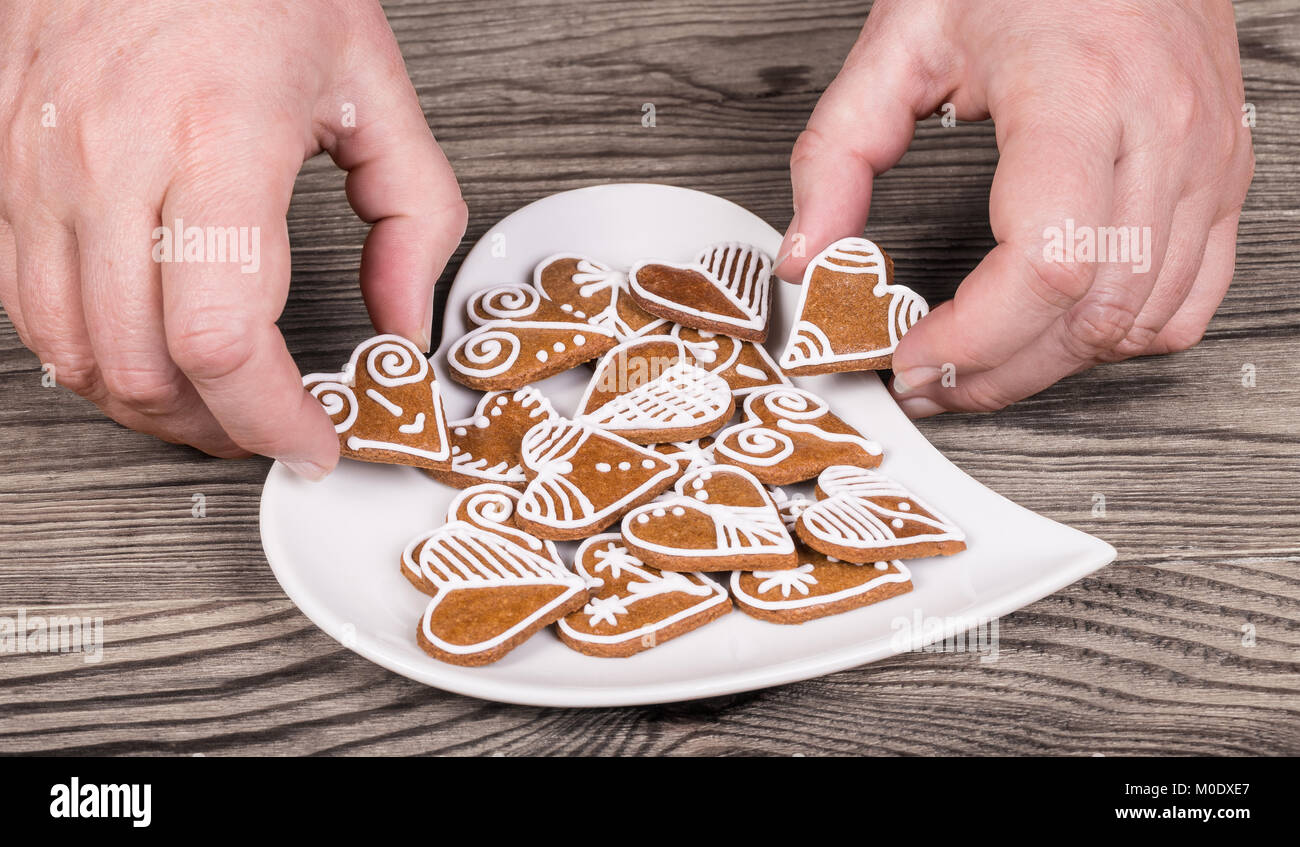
[
  {"x": 895, "y": 75},
  {"x": 400, "y": 181}
]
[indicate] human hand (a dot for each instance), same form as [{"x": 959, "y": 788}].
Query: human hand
[
  {"x": 121, "y": 118},
  {"x": 1117, "y": 115}
]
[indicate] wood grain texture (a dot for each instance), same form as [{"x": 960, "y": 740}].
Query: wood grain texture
[{"x": 1201, "y": 476}]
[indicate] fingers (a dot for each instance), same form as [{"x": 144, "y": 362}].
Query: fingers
[
  {"x": 1186, "y": 327},
  {"x": 860, "y": 128},
  {"x": 9, "y": 281},
  {"x": 1054, "y": 176},
  {"x": 49, "y": 300},
  {"x": 219, "y": 316},
  {"x": 399, "y": 180},
  {"x": 122, "y": 296}
]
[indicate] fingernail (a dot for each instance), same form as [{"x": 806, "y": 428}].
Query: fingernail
[
  {"x": 306, "y": 469},
  {"x": 919, "y": 407},
  {"x": 905, "y": 382}
]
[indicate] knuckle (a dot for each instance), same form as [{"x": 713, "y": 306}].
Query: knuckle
[
  {"x": 1138, "y": 340},
  {"x": 1059, "y": 284},
  {"x": 76, "y": 373},
  {"x": 985, "y": 396},
  {"x": 144, "y": 390},
  {"x": 210, "y": 345},
  {"x": 1097, "y": 327},
  {"x": 810, "y": 145}
]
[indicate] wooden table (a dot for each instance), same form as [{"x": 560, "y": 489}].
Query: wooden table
[{"x": 1188, "y": 643}]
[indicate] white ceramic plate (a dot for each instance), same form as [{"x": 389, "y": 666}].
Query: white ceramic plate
[{"x": 335, "y": 545}]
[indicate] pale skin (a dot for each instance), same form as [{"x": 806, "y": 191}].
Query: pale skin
[{"x": 205, "y": 111}]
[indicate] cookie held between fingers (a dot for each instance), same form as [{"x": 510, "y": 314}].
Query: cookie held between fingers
[
  {"x": 489, "y": 594},
  {"x": 726, "y": 289},
  {"x": 720, "y": 519},
  {"x": 864, "y": 516},
  {"x": 827, "y": 337},
  {"x": 485, "y": 445},
  {"x": 789, "y": 435},
  {"x": 582, "y": 479},
  {"x": 633, "y": 606},
  {"x": 647, "y": 391},
  {"x": 385, "y": 405}
]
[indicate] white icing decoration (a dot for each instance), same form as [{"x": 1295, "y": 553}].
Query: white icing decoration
[
  {"x": 612, "y": 559},
  {"x": 551, "y": 450},
  {"x": 679, "y": 398},
  {"x": 493, "y": 349},
  {"x": 738, "y": 530},
  {"x": 753, "y": 442},
  {"x": 749, "y": 292},
  {"x": 795, "y": 585},
  {"x": 849, "y": 516},
  {"x": 808, "y": 344},
  {"x": 500, "y": 470}
]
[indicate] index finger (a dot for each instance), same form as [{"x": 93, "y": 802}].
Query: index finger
[{"x": 222, "y": 293}]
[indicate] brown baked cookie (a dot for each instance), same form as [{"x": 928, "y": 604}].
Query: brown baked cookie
[
  {"x": 820, "y": 586},
  {"x": 591, "y": 290},
  {"x": 516, "y": 303},
  {"x": 788, "y": 435},
  {"x": 720, "y": 519},
  {"x": 489, "y": 594},
  {"x": 745, "y": 365},
  {"x": 633, "y": 606},
  {"x": 726, "y": 289},
  {"x": 690, "y": 455},
  {"x": 385, "y": 405},
  {"x": 864, "y": 516},
  {"x": 485, "y": 446},
  {"x": 582, "y": 479},
  {"x": 850, "y": 316},
  {"x": 647, "y": 390},
  {"x": 509, "y": 354}
]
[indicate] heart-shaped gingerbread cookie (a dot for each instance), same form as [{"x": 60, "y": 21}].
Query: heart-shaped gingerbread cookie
[
  {"x": 745, "y": 365},
  {"x": 820, "y": 586},
  {"x": 582, "y": 479},
  {"x": 720, "y": 519},
  {"x": 589, "y": 289},
  {"x": 825, "y": 336},
  {"x": 485, "y": 445},
  {"x": 789, "y": 435},
  {"x": 726, "y": 289},
  {"x": 633, "y": 606},
  {"x": 864, "y": 516},
  {"x": 385, "y": 405},
  {"x": 647, "y": 391},
  {"x": 489, "y": 594},
  {"x": 509, "y": 354}
]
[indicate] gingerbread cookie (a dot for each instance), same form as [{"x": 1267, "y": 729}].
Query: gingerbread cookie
[
  {"x": 509, "y": 354},
  {"x": 647, "y": 391},
  {"x": 726, "y": 289},
  {"x": 745, "y": 365},
  {"x": 850, "y": 315},
  {"x": 586, "y": 288},
  {"x": 690, "y": 455},
  {"x": 385, "y": 405},
  {"x": 789, "y": 435},
  {"x": 720, "y": 519},
  {"x": 489, "y": 593},
  {"x": 582, "y": 479},
  {"x": 864, "y": 516},
  {"x": 633, "y": 606},
  {"x": 485, "y": 445},
  {"x": 820, "y": 586}
]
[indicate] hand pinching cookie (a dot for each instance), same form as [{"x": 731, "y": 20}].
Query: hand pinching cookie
[
  {"x": 385, "y": 405},
  {"x": 864, "y": 516},
  {"x": 827, "y": 337},
  {"x": 726, "y": 289},
  {"x": 647, "y": 391},
  {"x": 485, "y": 446},
  {"x": 789, "y": 435},
  {"x": 820, "y": 586},
  {"x": 720, "y": 519},
  {"x": 582, "y": 479},
  {"x": 633, "y": 606}
]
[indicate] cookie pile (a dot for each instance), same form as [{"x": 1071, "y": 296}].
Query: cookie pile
[{"x": 681, "y": 508}]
